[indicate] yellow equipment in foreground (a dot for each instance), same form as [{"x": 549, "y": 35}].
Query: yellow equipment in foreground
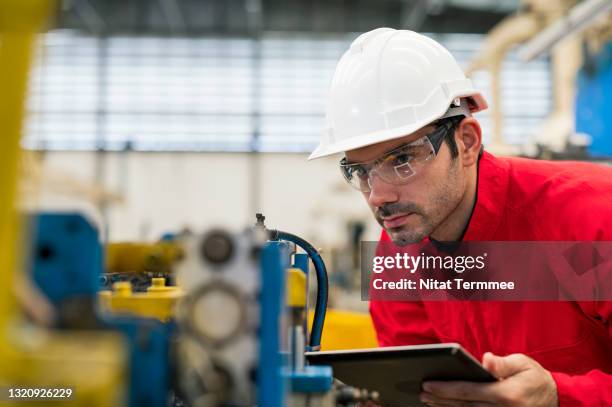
[{"x": 92, "y": 365}]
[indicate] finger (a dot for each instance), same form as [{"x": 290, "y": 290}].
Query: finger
[
  {"x": 434, "y": 401},
  {"x": 469, "y": 391},
  {"x": 430, "y": 400},
  {"x": 506, "y": 366}
]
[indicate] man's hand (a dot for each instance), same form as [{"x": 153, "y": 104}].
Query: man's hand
[{"x": 523, "y": 382}]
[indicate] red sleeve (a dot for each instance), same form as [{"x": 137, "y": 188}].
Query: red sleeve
[
  {"x": 400, "y": 323},
  {"x": 591, "y": 389},
  {"x": 595, "y": 387}
]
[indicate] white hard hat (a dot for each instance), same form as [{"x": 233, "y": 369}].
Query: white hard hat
[{"x": 389, "y": 84}]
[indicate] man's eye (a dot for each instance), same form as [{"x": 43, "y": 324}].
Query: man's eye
[{"x": 402, "y": 159}]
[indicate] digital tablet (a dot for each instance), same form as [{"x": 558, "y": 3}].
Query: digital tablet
[{"x": 397, "y": 372}]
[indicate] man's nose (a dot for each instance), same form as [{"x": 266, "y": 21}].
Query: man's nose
[{"x": 381, "y": 192}]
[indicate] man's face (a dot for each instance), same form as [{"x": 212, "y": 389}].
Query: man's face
[{"x": 412, "y": 211}]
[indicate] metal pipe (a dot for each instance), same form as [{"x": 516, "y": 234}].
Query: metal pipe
[{"x": 576, "y": 20}]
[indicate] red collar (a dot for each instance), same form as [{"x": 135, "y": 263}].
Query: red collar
[{"x": 491, "y": 198}]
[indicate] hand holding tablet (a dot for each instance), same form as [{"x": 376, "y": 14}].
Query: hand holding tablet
[{"x": 398, "y": 372}]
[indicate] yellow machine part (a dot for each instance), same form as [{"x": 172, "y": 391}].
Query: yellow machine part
[
  {"x": 296, "y": 288},
  {"x": 158, "y": 302},
  {"x": 93, "y": 365},
  {"x": 19, "y": 22},
  {"x": 347, "y": 330},
  {"x": 142, "y": 257}
]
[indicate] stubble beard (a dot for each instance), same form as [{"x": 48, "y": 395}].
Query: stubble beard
[
  {"x": 407, "y": 234},
  {"x": 410, "y": 233},
  {"x": 444, "y": 201}
]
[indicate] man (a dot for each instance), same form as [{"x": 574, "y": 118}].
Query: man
[{"x": 401, "y": 109}]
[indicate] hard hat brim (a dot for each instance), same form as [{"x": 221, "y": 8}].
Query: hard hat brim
[
  {"x": 368, "y": 139},
  {"x": 365, "y": 140}
]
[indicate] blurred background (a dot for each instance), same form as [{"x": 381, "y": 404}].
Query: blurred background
[
  {"x": 154, "y": 130},
  {"x": 195, "y": 113}
]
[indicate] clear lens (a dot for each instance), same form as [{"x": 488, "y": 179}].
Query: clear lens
[
  {"x": 396, "y": 167},
  {"x": 356, "y": 175}
]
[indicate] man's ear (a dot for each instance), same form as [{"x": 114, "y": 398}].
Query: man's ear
[{"x": 469, "y": 140}]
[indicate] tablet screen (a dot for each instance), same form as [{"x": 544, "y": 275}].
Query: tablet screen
[{"x": 397, "y": 372}]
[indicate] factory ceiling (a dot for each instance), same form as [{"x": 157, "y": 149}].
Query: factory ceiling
[{"x": 249, "y": 17}]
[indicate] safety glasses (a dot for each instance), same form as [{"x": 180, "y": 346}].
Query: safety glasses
[{"x": 398, "y": 166}]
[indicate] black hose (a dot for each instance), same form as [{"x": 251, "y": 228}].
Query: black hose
[{"x": 322, "y": 284}]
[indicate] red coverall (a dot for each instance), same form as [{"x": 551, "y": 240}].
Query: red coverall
[{"x": 520, "y": 199}]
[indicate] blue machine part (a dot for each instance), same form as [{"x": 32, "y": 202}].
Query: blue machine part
[
  {"x": 67, "y": 263},
  {"x": 313, "y": 379},
  {"x": 66, "y": 256},
  {"x": 594, "y": 101},
  {"x": 149, "y": 355},
  {"x": 168, "y": 237},
  {"x": 271, "y": 389}
]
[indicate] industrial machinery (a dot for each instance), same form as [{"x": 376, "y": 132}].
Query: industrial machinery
[
  {"x": 223, "y": 316},
  {"x": 139, "y": 263},
  {"x": 232, "y": 332},
  {"x": 66, "y": 265}
]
